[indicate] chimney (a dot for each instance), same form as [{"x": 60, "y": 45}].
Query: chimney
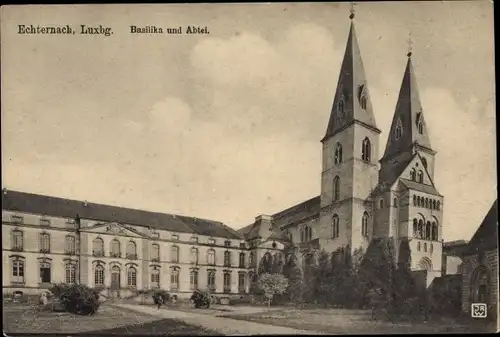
[
  {"x": 85, "y": 204},
  {"x": 4, "y": 190}
]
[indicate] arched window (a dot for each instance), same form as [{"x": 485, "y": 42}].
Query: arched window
[
  {"x": 155, "y": 252},
  {"x": 418, "y": 246},
  {"x": 363, "y": 102},
  {"x": 44, "y": 241},
  {"x": 425, "y": 246},
  {"x": 399, "y": 129},
  {"x": 434, "y": 231},
  {"x": 338, "y": 153},
  {"x": 336, "y": 188},
  {"x": 431, "y": 248},
  {"x": 17, "y": 271},
  {"x": 424, "y": 162},
  {"x": 415, "y": 228},
  {"x": 242, "y": 260},
  {"x": 306, "y": 233},
  {"x": 155, "y": 277},
  {"x": 70, "y": 245},
  {"x": 251, "y": 259},
  {"x": 99, "y": 275},
  {"x": 433, "y": 204},
  {"x": 428, "y": 230},
  {"x": 381, "y": 203},
  {"x": 132, "y": 277},
  {"x": 211, "y": 257},
  {"x": 395, "y": 202},
  {"x": 227, "y": 258},
  {"x": 335, "y": 226},
  {"x": 364, "y": 225},
  {"x": 420, "y": 229},
  {"x": 420, "y": 177},
  {"x": 115, "y": 248},
  {"x": 415, "y": 200},
  {"x": 175, "y": 254},
  {"x": 426, "y": 202},
  {"x": 98, "y": 247},
  {"x": 115, "y": 277},
  {"x": 366, "y": 150},
  {"x": 480, "y": 286},
  {"x": 70, "y": 273},
  {"x": 17, "y": 240},
  {"x": 438, "y": 204},
  {"x": 131, "y": 250},
  {"x": 419, "y": 203},
  {"x": 413, "y": 174},
  {"x": 194, "y": 255}
]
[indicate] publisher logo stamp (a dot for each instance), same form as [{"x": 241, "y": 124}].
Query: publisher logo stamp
[{"x": 479, "y": 310}]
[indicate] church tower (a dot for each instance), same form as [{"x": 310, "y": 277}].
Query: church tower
[
  {"x": 406, "y": 203},
  {"x": 350, "y": 148}
]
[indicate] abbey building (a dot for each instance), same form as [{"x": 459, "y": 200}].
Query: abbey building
[{"x": 48, "y": 240}]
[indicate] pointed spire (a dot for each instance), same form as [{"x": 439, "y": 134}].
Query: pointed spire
[
  {"x": 352, "y": 100},
  {"x": 408, "y": 125}
]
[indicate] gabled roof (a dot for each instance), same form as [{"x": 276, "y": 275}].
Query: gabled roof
[
  {"x": 67, "y": 208},
  {"x": 294, "y": 214},
  {"x": 408, "y": 112},
  {"x": 351, "y": 86},
  {"x": 413, "y": 185},
  {"x": 486, "y": 237}
]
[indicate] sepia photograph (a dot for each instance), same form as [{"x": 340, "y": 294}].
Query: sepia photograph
[{"x": 249, "y": 168}]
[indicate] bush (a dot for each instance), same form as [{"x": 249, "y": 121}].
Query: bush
[
  {"x": 58, "y": 289},
  {"x": 201, "y": 299},
  {"x": 157, "y": 294},
  {"x": 78, "y": 299}
]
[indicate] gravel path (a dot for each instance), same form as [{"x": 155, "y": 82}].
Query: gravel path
[{"x": 225, "y": 326}]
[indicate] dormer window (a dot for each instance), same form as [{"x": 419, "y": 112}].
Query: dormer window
[
  {"x": 341, "y": 106},
  {"x": 362, "y": 102},
  {"x": 420, "y": 125},
  {"x": 399, "y": 129}
]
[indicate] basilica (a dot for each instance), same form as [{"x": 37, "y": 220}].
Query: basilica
[{"x": 46, "y": 239}]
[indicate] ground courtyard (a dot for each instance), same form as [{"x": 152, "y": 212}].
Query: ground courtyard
[{"x": 133, "y": 318}]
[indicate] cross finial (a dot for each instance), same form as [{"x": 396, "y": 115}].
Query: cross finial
[
  {"x": 410, "y": 43},
  {"x": 352, "y": 10}
]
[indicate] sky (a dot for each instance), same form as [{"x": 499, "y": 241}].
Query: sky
[{"x": 227, "y": 126}]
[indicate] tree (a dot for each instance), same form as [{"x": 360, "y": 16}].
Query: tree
[
  {"x": 266, "y": 264},
  {"x": 310, "y": 266},
  {"x": 293, "y": 272},
  {"x": 377, "y": 270},
  {"x": 271, "y": 285},
  {"x": 323, "y": 278}
]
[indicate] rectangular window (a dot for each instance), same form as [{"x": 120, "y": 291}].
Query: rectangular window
[
  {"x": 211, "y": 280},
  {"x": 44, "y": 242},
  {"x": 17, "y": 240},
  {"x": 18, "y": 271},
  {"x": 45, "y": 272},
  {"x": 211, "y": 241},
  {"x": 155, "y": 278},
  {"x": 70, "y": 273},
  {"x": 194, "y": 239},
  {"x": 242, "y": 245},
  {"x": 193, "y": 282},
  {"x": 175, "y": 237},
  {"x": 174, "y": 280},
  {"x": 227, "y": 243},
  {"x": 241, "y": 283},
  {"x": 155, "y": 235},
  {"x": 227, "y": 282}
]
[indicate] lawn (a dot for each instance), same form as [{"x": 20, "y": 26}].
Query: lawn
[
  {"x": 340, "y": 321},
  {"x": 109, "y": 320}
]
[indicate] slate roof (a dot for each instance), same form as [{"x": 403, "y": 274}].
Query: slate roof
[
  {"x": 294, "y": 214},
  {"x": 486, "y": 237},
  {"x": 413, "y": 185},
  {"x": 67, "y": 208}
]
